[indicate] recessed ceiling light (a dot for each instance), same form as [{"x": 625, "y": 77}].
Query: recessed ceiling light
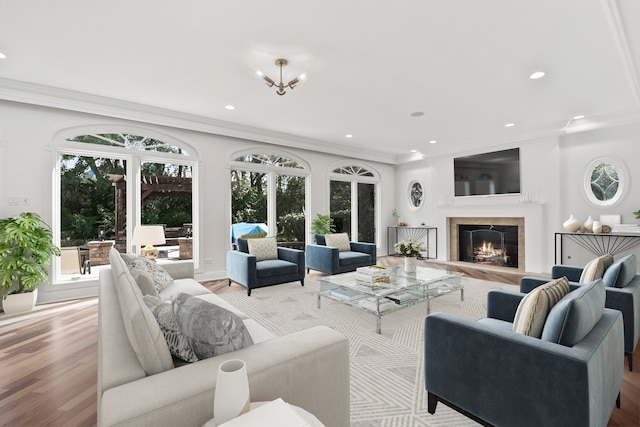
[
  {"x": 509, "y": 125},
  {"x": 414, "y": 151},
  {"x": 2, "y": 55},
  {"x": 229, "y": 107},
  {"x": 433, "y": 141},
  {"x": 537, "y": 75},
  {"x": 417, "y": 114},
  {"x": 348, "y": 135},
  {"x": 578, "y": 117}
]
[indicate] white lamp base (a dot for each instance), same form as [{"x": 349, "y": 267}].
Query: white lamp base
[{"x": 149, "y": 252}]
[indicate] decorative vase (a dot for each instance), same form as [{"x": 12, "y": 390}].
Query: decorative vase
[
  {"x": 572, "y": 224},
  {"x": 410, "y": 264},
  {"x": 588, "y": 225},
  {"x": 20, "y": 303},
  {"x": 231, "y": 398},
  {"x": 597, "y": 227}
]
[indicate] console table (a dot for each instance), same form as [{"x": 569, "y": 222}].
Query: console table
[
  {"x": 417, "y": 234},
  {"x": 597, "y": 244}
]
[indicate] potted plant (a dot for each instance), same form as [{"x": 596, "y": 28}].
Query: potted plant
[
  {"x": 410, "y": 251},
  {"x": 323, "y": 224},
  {"x": 26, "y": 247}
]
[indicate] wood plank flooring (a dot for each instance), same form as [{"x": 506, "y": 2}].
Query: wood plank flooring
[{"x": 48, "y": 361}]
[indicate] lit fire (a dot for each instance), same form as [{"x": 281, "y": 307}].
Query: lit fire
[{"x": 488, "y": 254}]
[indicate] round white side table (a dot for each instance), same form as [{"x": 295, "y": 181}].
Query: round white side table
[{"x": 308, "y": 417}]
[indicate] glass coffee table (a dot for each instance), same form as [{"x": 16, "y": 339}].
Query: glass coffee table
[{"x": 402, "y": 290}]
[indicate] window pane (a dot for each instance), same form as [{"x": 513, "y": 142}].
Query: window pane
[
  {"x": 90, "y": 187},
  {"x": 340, "y": 206},
  {"x": 604, "y": 181},
  {"x": 290, "y": 201},
  {"x": 366, "y": 213},
  {"x": 166, "y": 199},
  {"x": 248, "y": 197}
]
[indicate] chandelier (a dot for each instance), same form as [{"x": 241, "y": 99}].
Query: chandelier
[{"x": 280, "y": 87}]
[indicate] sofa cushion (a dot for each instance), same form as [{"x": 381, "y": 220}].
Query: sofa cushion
[
  {"x": 533, "y": 309},
  {"x": 595, "y": 269},
  {"x": 144, "y": 281},
  {"x": 575, "y": 315},
  {"x": 161, "y": 279},
  {"x": 349, "y": 258},
  {"x": 275, "y": 267},
  {"x": 178, "y": 344},
  {"x": 210, "y": 329},
  {"x": 264, "y": 248},
  {"x": 622, "y": 272},
  {"x": 338, "y": 240},
  {"x": 143, "y": 331},
  {"x": 188, "y": 286}
]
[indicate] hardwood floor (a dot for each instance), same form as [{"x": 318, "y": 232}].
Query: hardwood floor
[{"x": 48, "y": 361}]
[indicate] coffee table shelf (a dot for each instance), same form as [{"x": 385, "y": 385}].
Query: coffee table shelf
[{"x": 403, "y": 290}]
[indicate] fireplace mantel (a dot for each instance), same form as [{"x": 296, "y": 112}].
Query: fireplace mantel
[{"x": 532, "y": 213}]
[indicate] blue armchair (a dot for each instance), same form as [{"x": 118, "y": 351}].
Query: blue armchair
[
  {"x": 622, "y": 293},
  {"x": 571, "y": 376},
  {"x": 332, "y": 260},
  {"x": 244, "y": 268}
]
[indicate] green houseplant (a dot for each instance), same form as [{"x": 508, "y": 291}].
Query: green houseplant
[
  {"x": 323, "y": 224},
  {"x": 26, "y": 247}
]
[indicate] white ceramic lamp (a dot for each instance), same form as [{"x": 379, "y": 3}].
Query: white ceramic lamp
[
  {"x": 231, "y": 397},
  {"x": 145, "y": 236}
]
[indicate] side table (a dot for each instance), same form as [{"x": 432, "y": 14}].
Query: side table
[{"x": 309, "y": 419}]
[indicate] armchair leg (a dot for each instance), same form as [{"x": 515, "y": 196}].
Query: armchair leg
[
  {"x": 432, "y": 402},
  {"x": 630, "y": 359},
  {"x": 307, "y": 270},
  {"x": 302, "y": 281},
  {"x": 229, "y": 282},
  {"x": 618, "y": 401},
  {"x": 248, "y": 291}
]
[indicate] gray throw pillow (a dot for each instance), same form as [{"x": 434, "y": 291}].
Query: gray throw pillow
[
  {"x": 210, "y": 329},
  {"x": 161, "y": 279},
  {"x": 145, "y": 282},
  {"x": 178, "y": 344}
]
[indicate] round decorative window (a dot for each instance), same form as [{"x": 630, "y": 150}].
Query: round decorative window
[
  {"x": 605, "y": 181},
  {"x": 416, "y": 195}
]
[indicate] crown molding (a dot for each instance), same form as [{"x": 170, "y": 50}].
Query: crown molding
[{"x": 48, "y": 96}]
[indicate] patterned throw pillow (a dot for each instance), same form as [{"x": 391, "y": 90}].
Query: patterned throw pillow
[
  {"x": 161, "y": 279},
  {"x": 535, "y": 306},
  {"x": 210, "y": 329},
  {"x": 178, "y": 344},
  {"x": 595, "y": 268},
  {"x": 263, "y": 249},
  {"x": 338, "y": 240}
]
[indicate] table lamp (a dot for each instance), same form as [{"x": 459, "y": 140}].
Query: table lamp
[{"x": 148, "y": 235}]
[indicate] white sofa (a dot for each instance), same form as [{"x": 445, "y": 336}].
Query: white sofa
[{"x": 139, "y": 385}]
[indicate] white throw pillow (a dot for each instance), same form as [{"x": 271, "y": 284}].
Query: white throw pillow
[
  {"x": 595, "y": 268},
  {"x": 263, "y": 249},
  {"x": 338, "y": 240}
]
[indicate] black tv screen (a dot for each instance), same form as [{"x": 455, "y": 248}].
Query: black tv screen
[{"x": 497, "y": 172}]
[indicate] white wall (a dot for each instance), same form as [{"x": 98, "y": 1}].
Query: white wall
[
  {"x": 552, "y": 173},
  {"x": 27, "y": 146}
]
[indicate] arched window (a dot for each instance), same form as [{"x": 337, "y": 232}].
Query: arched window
[
  {"x": 110, "y": 182},
  {"x": 353, "y": 195},
  {"x": 269, "y": 188}
]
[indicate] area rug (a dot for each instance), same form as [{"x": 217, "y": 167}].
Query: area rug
[{"x": 387, "y": 371}]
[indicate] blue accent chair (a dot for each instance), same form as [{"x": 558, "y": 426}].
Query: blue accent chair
[
  {"x": 330, "y": 260},
  {"x": 244, "y": 269},
  {"x": 571, "y": 376},
  {"x": 622, "y": 287}
]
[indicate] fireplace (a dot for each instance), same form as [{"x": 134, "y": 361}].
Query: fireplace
[
  {"x": 488, "y": 244},
  {"x": 487, "y": 241}
]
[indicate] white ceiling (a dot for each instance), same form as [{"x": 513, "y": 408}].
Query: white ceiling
[{"x": 464, "y": 63}]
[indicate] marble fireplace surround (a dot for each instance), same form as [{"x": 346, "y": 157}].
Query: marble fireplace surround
[
  {"x": 531, "y": 256},
  {"x": 455, "y": 240}
]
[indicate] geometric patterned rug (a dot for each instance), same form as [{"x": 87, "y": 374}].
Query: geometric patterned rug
[{"x": 387, "y": 372}]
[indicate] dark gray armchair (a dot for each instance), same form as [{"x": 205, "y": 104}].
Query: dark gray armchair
[
  {"x": 331, "y": 260},
  {"x": 569, "y": 377},
  {"x": 622, "y": 285}
]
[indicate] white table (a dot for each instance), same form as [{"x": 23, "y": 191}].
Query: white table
[{"x": 310, "y": 419}]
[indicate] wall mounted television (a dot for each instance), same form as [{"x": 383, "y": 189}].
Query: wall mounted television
[{"x": 497, "y": 172}]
